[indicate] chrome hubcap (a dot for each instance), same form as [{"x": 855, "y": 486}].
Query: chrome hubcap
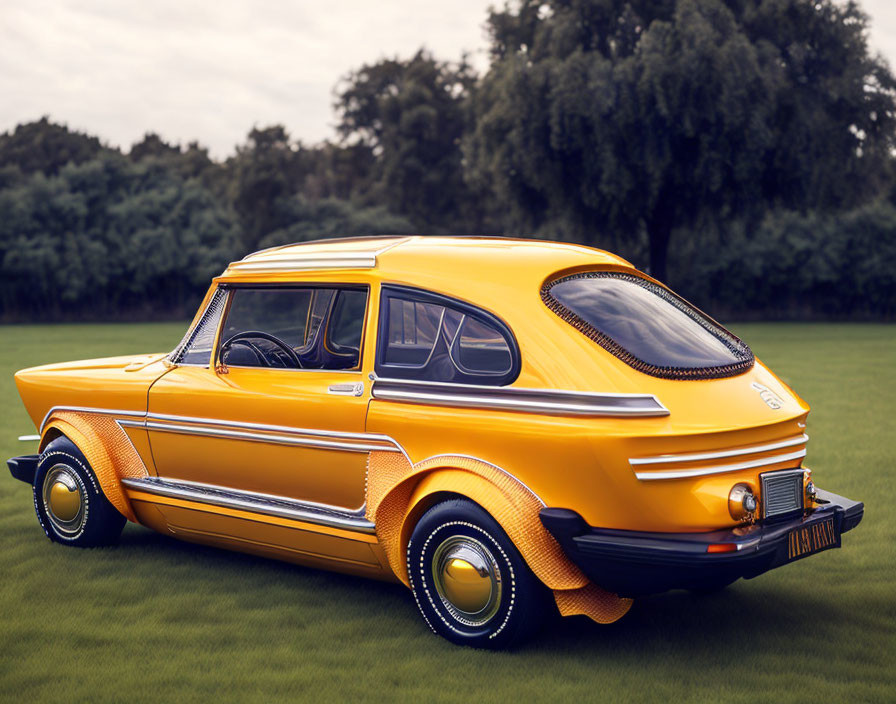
[
  {"x": 467, "y": 579},
  {"x": 63, "y": 494}
]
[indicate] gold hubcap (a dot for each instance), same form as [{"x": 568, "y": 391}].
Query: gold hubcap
[
  {"x": 465, "y": 586},
  {"x": 467, "y": 580},
  {"x": 63, "y": 495},
  {"x": 64, "y": 502}
]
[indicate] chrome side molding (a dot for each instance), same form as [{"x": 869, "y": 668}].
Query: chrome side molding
[
  {"x": 687, "y": 472},
  {"x": 511, "y": 398},
  {"x": 90, "y": 409},
  {"x": 258, "y": 432},
  {"x": 253, "y": 502},
  {"x": 700, "y": 456}
]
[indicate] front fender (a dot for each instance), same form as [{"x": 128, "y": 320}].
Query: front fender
[{"x": 106, "y": 448}]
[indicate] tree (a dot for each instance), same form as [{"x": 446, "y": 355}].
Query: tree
[
  {"x": 109, "y": 235},
  {"x": 411, "y": 116},
  {"x": 152, "y": 145},
  {"x": 264, "y": 170},
  {"x": 629, "y": 116},
  {"x": 45, "y": 147},
  {"x": 332, "y": 217}
]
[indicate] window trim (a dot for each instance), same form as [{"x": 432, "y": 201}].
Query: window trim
[
  {"x": 193, "y": 330},
  {"x": 327, "y": 341},
  {"x": 231, "y": 287},
  {"x": 411, "y": 293},
  {"x": 737, "y": 346}
]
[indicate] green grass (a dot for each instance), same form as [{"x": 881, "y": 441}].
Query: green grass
[{"x": 156, "y": 620}]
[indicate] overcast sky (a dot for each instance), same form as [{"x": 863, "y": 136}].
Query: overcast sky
[{"x": 211, "y": 70}]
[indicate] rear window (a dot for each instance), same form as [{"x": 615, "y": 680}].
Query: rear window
[{"x": 647, "y": 326}]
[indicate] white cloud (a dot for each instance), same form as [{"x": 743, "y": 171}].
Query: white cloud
[
  {"x": 208, "y": 70},
  {"x": 212, "y": 70}
]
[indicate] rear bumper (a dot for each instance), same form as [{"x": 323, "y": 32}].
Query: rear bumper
[
  {"x": 23, "y": 468},
  {"x": 632, "y": 563}
]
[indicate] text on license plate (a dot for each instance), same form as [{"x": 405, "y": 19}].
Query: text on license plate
[{"x": 804, "y": 541}]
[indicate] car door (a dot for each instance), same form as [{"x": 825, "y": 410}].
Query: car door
[{"x": 278, "y": 407}]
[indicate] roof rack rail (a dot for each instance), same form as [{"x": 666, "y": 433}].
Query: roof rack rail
[{"x": 321, "y": 240}]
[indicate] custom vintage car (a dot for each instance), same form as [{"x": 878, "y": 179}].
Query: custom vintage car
[{"x": 508, "y": 427}]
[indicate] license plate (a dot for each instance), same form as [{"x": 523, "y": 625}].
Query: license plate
[{"x": 811, "y": 539}]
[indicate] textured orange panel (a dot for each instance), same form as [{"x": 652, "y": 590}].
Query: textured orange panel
[
  {"x": 108, "y": 450},
  {"x": 391, "y": 481},
  {"x": 592, "y": 601}
]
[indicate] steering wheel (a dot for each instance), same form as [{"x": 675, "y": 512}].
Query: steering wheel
[{"x": 241, "y": 337}]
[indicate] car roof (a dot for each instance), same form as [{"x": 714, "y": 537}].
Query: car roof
[{"x": 403, "y": 257}]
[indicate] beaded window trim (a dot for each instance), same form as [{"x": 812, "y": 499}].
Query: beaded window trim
[{"x": 737, "y": 347}]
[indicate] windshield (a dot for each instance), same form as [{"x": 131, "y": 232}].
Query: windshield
[{"x": 647, "y": 326}]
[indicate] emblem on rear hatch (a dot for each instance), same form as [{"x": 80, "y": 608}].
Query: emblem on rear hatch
[{"x": 772, "y": 400}]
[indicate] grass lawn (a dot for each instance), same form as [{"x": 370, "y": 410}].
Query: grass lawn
[{"x": 154, "y": 620}]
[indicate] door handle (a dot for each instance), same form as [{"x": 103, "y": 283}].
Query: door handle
[{"x": 351, "y": 388}]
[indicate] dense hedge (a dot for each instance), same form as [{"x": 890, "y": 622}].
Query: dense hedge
[
  {"x": 139, "y": 235},
  {"x": 113, "y": 238},
  {"x": 795, "y": 266},
  {"x": 109, "y": 236}
]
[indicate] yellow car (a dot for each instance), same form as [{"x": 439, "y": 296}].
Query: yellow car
[{"x": 502, "y": 425}]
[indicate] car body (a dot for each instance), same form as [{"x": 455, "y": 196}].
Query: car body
[{"x": 584, "y": 430}]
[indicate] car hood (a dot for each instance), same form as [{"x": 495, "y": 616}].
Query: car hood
[{"x": 119, "y": 383}]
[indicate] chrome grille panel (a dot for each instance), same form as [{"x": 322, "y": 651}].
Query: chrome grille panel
[{"x": 782, "y": 492}]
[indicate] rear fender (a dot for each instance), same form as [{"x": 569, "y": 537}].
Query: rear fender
[{"x": 395, "y": 508}]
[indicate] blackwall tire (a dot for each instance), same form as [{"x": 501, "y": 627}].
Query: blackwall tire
[
  {"x": 471, "y": 584},
  {"x": 69, "y": 503}
]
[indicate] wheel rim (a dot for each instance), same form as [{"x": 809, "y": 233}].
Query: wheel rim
[
  {"x": 467, "y": 579},
  {"x": 64, "y": 499}
]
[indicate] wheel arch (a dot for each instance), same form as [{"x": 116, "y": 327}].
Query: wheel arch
[
  {"x": 399, "y": 495},
  {"x": 106, "y": 448}
]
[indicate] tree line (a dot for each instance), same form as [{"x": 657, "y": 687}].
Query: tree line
[{"x": 740, "y": 150}]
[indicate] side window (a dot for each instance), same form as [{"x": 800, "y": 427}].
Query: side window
[
  {"x": 287, "y": 327},
  {"x": 429, "y": 337},
  {"x": 196, "y": 347},
  {"x": 279, "y": 313}
]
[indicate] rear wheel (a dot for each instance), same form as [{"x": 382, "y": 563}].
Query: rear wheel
[
  {"x": 470, "y": 582},
  {"x": 70, "y": 505}
]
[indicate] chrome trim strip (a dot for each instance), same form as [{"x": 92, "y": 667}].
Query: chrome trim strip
[
  {"x": 88, "y": 409},
  {"x": 285, "y": 429},
  {"x": 254, "y": 502},
  {"x": 698, "y": 456},
  {"x": 297, "y": 262},
  {"x": 719, "y": 469},
  {"x": 544, "y": 401},
  {"x": 264, "y": 437},
  {"x": 393, "y": 241}
]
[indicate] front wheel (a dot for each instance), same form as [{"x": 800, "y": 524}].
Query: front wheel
[
  {"x": 470, "y": 582},
  {"x": 70, "y": 505}
]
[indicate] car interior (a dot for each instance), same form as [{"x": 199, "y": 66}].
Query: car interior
[{"x": 294, "y": 328}]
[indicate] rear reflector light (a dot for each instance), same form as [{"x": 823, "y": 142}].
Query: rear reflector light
[{"x": 721, "y": 547}]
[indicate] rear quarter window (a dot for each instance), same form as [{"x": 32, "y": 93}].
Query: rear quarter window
[{"x": 430, "y": 337}]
